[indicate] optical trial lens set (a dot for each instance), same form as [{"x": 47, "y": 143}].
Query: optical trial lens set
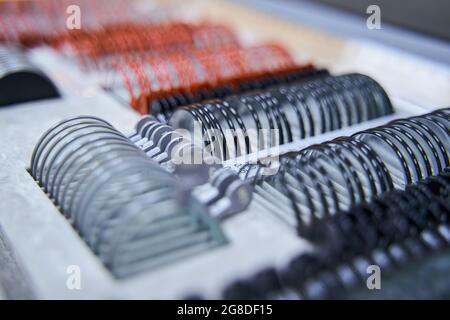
[{"x": 304, "y": 177}]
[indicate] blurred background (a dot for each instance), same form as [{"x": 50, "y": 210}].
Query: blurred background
[{"x": 421, "y": 27}]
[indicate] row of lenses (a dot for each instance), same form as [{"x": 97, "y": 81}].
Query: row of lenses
[
  {"x": 393, "y": 230},
  {"x": 331, "y": 177},
  {"x": 150, "y": 77},
  {"x": 163, "y": 107},
  {"x": 124, "y": 205},
  {"x": 140, "y": 40},
  {"x": 20, "y": 80},
  {"x": 248, "y": 123}
]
